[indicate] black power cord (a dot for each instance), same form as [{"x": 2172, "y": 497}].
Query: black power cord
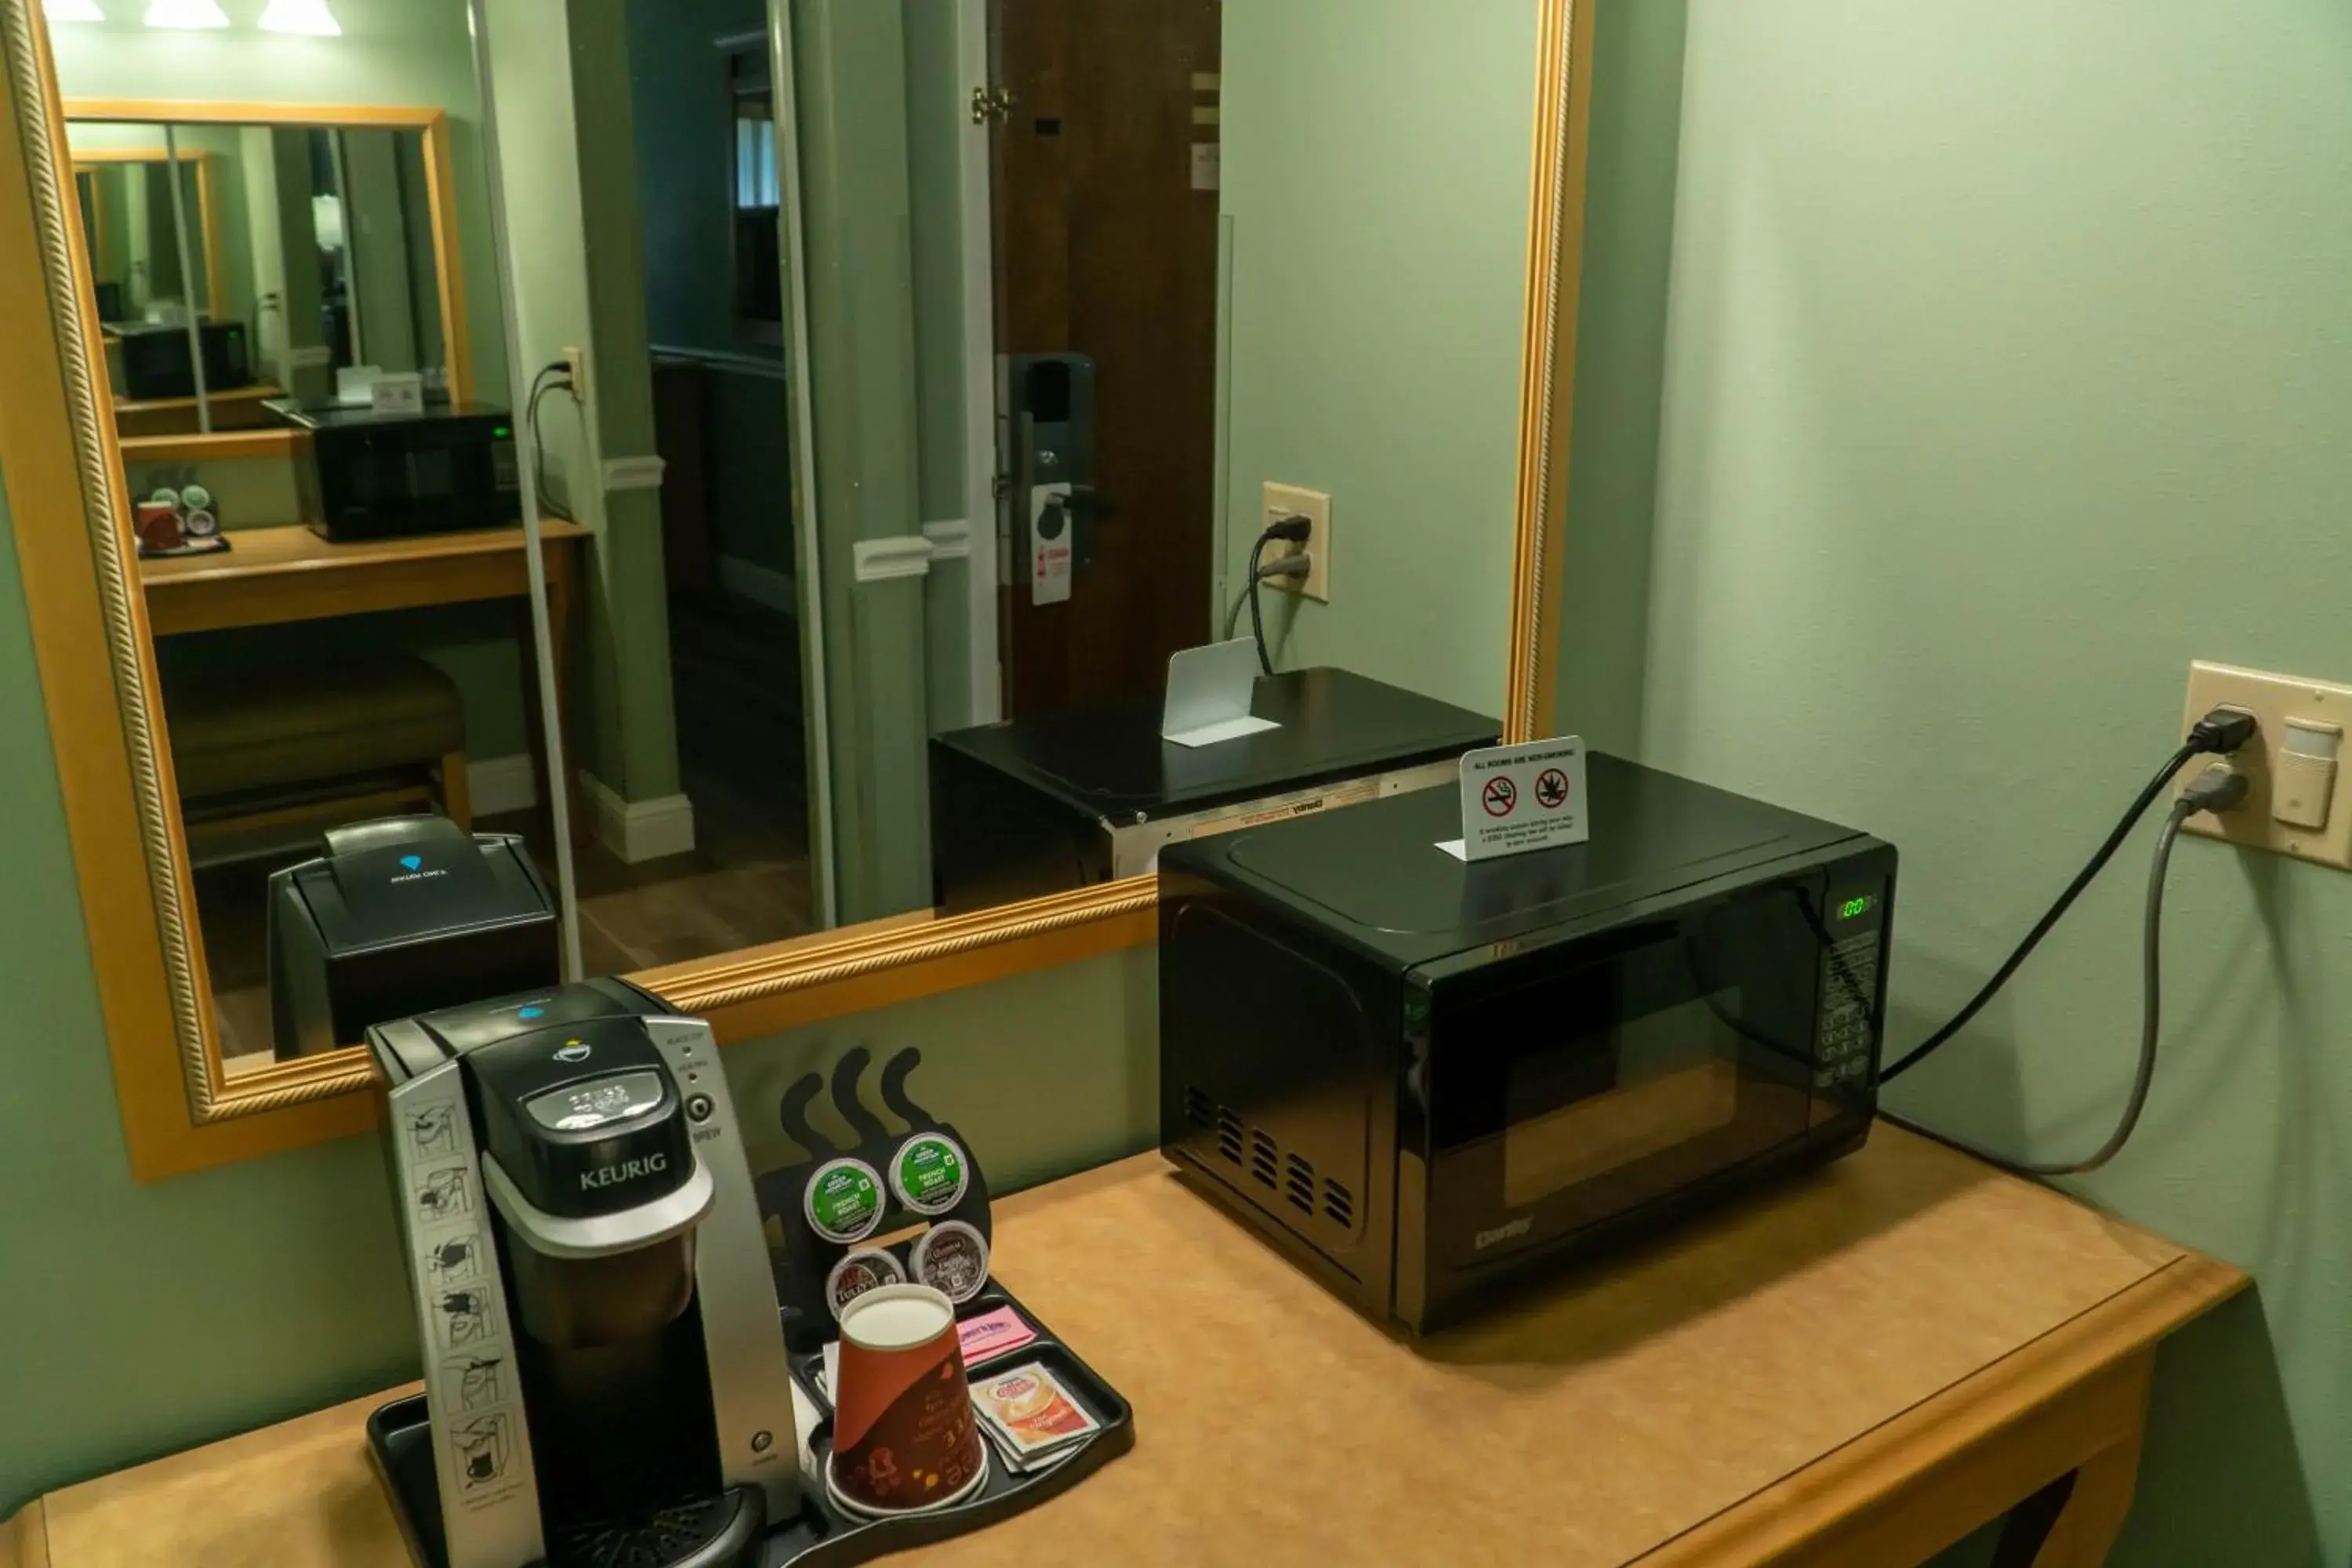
[
  {"x": 1293, "y": 530},
  {"x": 2219, "y": 788},
  {"x": 554, "y": 376},
  {"x": 2220, "y": 732}
]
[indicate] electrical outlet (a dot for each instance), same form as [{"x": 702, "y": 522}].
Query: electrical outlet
[
  {"x": 1289, "y": 500},
  {"x": 576, "y": 362},
  {"x": 2299, "y": 801}
]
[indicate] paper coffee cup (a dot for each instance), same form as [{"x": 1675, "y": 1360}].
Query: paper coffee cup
[{"x": 904, "y": 1438}]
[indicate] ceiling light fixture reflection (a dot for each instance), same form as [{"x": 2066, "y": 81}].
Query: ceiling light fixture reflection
[
  {"x": 73, "y": 11},
  {"x": 186, "y": 15},
  {"x": 310, "y": 17}
]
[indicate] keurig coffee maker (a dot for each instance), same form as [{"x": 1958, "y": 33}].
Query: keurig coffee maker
[
  {"x": 398, "y": 917},
  {"x": 604, "y": 1368}
]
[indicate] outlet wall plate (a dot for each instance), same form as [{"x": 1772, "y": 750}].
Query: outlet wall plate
[
  {"x": 1289, "y": 500},
  {"x": 2272, "y": 699},
  {"x": 576, "y": 361}
]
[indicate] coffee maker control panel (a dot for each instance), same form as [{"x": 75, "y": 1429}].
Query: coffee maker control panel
[
  {"x": 592, "y": 1107},
  {"x": 584, "y": 1120}
]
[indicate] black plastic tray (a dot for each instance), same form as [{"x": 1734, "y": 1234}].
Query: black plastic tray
[{"x": 822, "y": 1536}]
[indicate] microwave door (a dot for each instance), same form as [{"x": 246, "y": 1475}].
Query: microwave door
[{"x": 1575, "y": 1097}]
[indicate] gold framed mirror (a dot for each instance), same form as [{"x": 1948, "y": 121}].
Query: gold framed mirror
[{"x": 94, "y": 628}]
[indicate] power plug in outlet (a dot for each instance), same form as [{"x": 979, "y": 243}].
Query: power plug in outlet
[
  {"x": 1289, "y": 500},
  {"x": 575, "y": 365},
  {"x": 2299, "y": 800}
]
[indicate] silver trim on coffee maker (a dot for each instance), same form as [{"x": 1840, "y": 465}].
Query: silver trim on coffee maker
[
  {"x": 600, "y": 1236},
  {"x": 735, "y": 1284}
]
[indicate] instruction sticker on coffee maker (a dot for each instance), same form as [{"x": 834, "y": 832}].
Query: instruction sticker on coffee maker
[{"x": 1516, "y": 799}]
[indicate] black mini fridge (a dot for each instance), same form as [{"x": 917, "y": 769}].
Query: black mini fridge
[{"x": 1052, "y": 802}]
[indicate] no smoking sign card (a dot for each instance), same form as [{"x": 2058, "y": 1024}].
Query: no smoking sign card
[{"x": 1519, "y": 798}]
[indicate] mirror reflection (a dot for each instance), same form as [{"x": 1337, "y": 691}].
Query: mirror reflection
[
  {"x": 946, "y": 420},
  {"x": 295, "y": 265},
  {"x": 939, "y": 503},
  {"x": 311, "y": 403}
]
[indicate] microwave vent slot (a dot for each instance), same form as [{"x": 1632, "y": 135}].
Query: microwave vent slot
[
  {"x": 1229, "y": 1134},
  {"x": 1298, "y": 1183},
  {"x": 1265, "y": 1156},
  {"x": 1290, "y": 1176}
]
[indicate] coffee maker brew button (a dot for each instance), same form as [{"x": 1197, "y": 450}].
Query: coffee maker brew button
[{"x": 699, "y": 1107}]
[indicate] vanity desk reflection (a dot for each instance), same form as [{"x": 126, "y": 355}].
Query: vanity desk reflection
[
  {"x": 269, "y": 576},
  {"x": 1855, "y": 1369}
]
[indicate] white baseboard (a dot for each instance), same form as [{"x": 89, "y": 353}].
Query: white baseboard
[
  {"x": 500, "y": 785},
  {"x": 638, "y": 830},
  {"x": 760, "y": 584}
]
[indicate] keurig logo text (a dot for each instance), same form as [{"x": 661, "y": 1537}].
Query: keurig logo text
[{"x": 626, "y": 1171}]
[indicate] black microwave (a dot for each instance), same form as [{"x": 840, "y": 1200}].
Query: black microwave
[
  {"x": 365, "y": 475},
  {"x": 1427, "y": 1082},
  {"x": 156, "y": 362}
]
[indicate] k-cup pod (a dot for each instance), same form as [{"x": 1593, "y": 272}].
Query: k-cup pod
[
  {"x": 868, "y": 1268},
  {"x": 195, "y": 497},
  {"x": 952, "y": 1258},
  {"x": 929, "y": 1173},
  {"x": 844, "y": 1201},
  {"x": 201, "y": 524},
  {"x": 905, "y": 1437}
]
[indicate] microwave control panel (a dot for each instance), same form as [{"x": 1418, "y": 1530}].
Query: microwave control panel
[{"x": 1842, "y": 1054}]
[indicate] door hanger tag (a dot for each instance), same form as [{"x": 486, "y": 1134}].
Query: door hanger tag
[{"x": 1050, "y": 543}]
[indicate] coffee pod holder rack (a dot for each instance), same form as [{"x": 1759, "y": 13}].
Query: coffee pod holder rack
[{"x": 824, "y": 1535}]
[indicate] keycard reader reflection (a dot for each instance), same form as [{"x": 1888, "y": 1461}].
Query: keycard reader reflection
[{"x": 1049, "y": 444}]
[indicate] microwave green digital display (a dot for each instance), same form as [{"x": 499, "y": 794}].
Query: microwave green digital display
[{"x": 1853, "y": 909}]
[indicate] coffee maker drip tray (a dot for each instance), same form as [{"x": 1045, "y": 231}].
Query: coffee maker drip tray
[
  {"x": 720, "y": 1530},
  {"x": 726, "y": 1533}
]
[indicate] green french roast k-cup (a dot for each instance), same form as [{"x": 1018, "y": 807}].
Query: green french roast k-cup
[
  {"x": 844, "y": 1201},
  {"x": 929, "y": 1173}
]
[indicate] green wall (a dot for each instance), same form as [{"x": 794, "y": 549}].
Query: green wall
[
  {"x": 1376, "y": 177},
  {"x": 2006, "y": 367},
  {"x": 143, "y": 1319}
]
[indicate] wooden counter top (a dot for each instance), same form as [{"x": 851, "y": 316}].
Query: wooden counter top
[{"x": 1810, "y": 1376}]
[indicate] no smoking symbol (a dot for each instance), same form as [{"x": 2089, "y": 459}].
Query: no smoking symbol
[
  {"x": 1501, "y": 796},
  {"x": 1551, "y": 790}
]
